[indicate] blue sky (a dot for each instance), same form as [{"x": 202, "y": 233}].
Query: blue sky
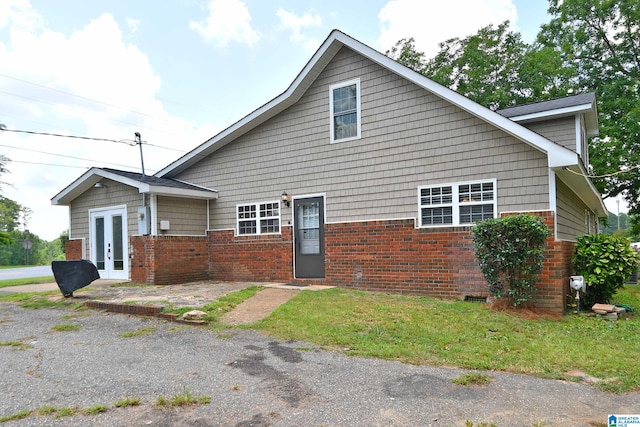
[{"x": 178, "y": 72}]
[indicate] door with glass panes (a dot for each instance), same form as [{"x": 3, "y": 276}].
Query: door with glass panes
[
  {"x": 109, "y": 242},
  {"x": 308, "y": 228}
]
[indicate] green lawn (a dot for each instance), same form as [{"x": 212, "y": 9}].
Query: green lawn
[
  {"x": 430, "y": 331},
  {"x": 28, "y": 281}
]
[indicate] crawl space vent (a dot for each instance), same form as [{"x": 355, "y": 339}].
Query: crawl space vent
[{"x": 471, "y": 298}]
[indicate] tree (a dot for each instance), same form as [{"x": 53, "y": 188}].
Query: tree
[
  {"x": 600, "y": 40},
  {"x": 493, "y": 67}
]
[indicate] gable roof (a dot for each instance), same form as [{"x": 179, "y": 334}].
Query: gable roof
[
  {"x": 557, "y": 155},
  {"x": 554, "y": 108},
  {"x": 144, "y": 184}
]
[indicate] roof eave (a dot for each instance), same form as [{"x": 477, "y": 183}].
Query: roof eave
[
  {"x": 576, "y": 178},
  {"x": 161, "y": 190}
]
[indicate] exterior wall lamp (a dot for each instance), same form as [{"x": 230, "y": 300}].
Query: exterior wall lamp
[
  {"x": 100, "y": 185},
  {"x": 286, "y": 199}
]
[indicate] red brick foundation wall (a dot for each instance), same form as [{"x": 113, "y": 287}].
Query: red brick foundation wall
[
  {"x": 164, "y": 260},
  {"x": 395, "y": 256},
  {"x": 73, "y": 249},
  {"x": 266, "y": 258}
]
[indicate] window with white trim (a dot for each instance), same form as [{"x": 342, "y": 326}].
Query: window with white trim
[
  {"x": 258, "y": 218},
  {"x": 457, "y": 204},
  {"x": 345, "y": 110}
]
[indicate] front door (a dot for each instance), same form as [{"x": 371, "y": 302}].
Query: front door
[
  {"x": 109, "y": 242},
  {"x": 308, "y": 228}
]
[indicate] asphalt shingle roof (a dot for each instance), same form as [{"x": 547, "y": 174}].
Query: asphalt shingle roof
[
  {"x": 155, "y": 181},
  {"x": 553, "y": 104}
]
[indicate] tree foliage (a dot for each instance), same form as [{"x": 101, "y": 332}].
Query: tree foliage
[
  {"x": 606, "y": 261},
  {"x": 510, "y": 251},
  {"x": 493, "y": 67},
  {"x": 600, "y": 40}
]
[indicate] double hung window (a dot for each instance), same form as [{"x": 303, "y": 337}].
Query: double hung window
[
  {"x": 258, "y": 218},
  {"x": 457, "y": 204},
  {"x": 345, "y": 110}
]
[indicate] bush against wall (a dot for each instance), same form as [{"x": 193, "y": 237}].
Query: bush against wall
[
  {"x": 605, "y": 261},
  {"x": 511, "y": 252}
]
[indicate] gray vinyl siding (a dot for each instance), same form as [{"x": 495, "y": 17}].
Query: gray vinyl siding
[
  {"x": 186, "y": 216},
  {"x": 114, "y": 194},
  {"x": 571, "y": 213},
  {"x": 561, "y": 131},
  {"x": 410, "y": 138}
]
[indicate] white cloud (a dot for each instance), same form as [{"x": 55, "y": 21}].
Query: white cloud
[
  {"x": 228, "y": 21},
  {"x": 91, "y": 83},
  {"x": 133, "y": 24},
  {"x": 20, "y": 14},
  {"x": 433, "y": 22},
  {"x": 294, "y": 23}
]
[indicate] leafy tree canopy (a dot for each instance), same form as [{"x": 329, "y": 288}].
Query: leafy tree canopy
[
  {"x": 600, "y": 40},
  {"x": 494, "y": 67}
]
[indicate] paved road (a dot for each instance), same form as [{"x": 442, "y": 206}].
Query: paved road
[
  {"x": 25, "y": 272},
  {"x": 256, "y": 381}
]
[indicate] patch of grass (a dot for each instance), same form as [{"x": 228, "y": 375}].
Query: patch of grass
[
  {"x": 138, "y": 332},
  {"x": 472, "y": 378},
  {"x": 183, "y": 399},
  {"x": 421, "y": 330},
  {"x": 95, "y": 409},
  {"x": 468, "y": 423},
  {"x": 37, "y": 300},
  {"x": 131, "y": 285},
  {"x": 17, "y": 416},
  {"x": 75, "y": 315},
  {"x": 47, "y": 410},
  {"x": 65, "y": 327},
  {"x": 28, "y": 281},
  {"x": 68, "y": 411},
  {"x": 16, "y": 345},
  {"x": 127, "y": 401},
  {"x": 216, "y": 309}
]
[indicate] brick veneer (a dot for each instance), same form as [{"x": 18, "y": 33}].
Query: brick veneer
[
  {"x": 166, "y": 260},
  {"x": 398, "y": 257},
  {"x": 265, "y": 258},
  {"x": 73, "y": 249},
  {"x": 390, "y": 256}
]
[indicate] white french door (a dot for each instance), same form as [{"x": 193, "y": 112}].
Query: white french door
[{"x": 109, "y": 242}]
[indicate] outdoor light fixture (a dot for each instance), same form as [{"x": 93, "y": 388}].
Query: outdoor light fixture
[
  {"x": 99, "y": 185},
  {"x": 286, "y": 199}
]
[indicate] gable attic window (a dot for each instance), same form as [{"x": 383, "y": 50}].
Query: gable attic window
[
  {"x": 345, "y": 110},
  {"x": 457, "y": 204},
  {"x": 258, "y": 218}
]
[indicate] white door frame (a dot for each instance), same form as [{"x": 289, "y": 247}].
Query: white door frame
[{"x": 108, "y": 266}]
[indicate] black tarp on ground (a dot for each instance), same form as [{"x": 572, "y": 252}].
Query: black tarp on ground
[{"x": 73, "y": 275}]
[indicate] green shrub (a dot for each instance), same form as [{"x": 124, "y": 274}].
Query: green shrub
[
  {"x": 605, "y": 261},
  {"x": 511, "y": 252}
]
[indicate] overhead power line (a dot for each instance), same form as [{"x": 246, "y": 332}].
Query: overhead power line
[
  {"x": 603, "y": 176},
  {"x": 122, "y": 141},
  {"x": 64, "y": 155},
  {"x": 130, "y": 142}
]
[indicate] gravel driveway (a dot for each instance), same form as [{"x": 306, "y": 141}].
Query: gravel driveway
[{"x": 255, "y": 381}]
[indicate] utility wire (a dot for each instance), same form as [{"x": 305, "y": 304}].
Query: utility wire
[
  {"x": 129, "y": 142},
  {"x": 64, "y": 155},
  {"x": 50, "y": 164},
  {"x": 122, "y": 141},
  {"x": 603, "y": 176}
]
